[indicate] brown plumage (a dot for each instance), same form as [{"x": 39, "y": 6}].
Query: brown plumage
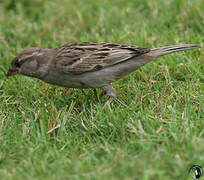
[
  {"x": 83, "y": 57},
  {"x": 87, "y": 65}
]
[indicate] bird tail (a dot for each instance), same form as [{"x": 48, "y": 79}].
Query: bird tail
[{"x": 156, "y": 52}]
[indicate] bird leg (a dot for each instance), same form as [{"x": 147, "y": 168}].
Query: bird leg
[
  {"x": 110, "y": 91},
  {"x": 108, "y": 102},
  {"x": 102, "y": 94}
]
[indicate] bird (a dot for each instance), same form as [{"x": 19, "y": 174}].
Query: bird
[{"x": 87, "y": 64}]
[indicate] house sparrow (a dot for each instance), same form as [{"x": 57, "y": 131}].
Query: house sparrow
[{"x": 87, "y": 65}]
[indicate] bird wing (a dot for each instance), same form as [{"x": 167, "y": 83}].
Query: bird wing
[{"x": 79, "y": 58}]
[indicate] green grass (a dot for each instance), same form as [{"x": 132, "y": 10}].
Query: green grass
[{"x": 153, "y": 131}]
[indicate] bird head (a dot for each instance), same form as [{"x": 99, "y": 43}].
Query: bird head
[{"x": 25, "y": 62}]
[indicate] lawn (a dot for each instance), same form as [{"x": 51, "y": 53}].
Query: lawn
[{"x": 152, "y": 131}]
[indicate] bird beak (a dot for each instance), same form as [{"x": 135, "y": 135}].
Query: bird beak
[{"x": 11, "y": 72}]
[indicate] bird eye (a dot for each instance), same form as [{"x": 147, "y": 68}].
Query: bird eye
[{"x": 17, "y": 64}]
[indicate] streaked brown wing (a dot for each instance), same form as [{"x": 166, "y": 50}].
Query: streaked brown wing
[{"x": 84, "y": 57}]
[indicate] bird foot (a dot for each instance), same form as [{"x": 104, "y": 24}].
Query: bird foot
[{"x": 108, "y": 102}]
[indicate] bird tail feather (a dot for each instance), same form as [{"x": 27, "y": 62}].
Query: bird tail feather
[{"x": 171, "y": 49}]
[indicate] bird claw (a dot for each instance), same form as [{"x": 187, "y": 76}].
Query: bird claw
[{"x": 108, "y": 102}]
